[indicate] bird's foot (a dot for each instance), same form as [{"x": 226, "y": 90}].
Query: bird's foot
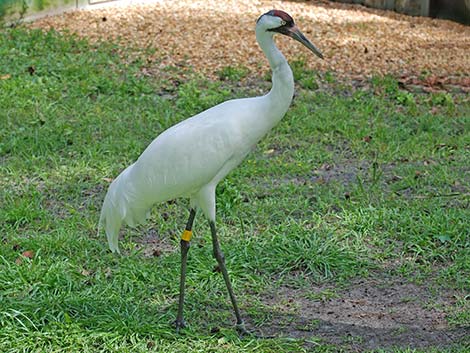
[
  {"x": 242, "y": 331},
  {"x": 179, "y": 324}
]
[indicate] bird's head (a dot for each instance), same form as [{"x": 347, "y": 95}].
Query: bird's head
[{"x": 278, "y": 21}]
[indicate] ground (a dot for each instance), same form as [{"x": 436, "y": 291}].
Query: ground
[
  {"x": 356, "y": 41},
  {"x": 345, "y": 229},
  {"x": 386, "y": 312}
]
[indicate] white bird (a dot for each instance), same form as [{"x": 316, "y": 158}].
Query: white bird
[{"x": 190, "y": 158}]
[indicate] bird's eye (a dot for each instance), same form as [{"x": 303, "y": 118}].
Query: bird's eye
[{"x": 283, "y": 23}]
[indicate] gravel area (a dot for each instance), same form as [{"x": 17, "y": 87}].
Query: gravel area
[{"x": 208, "y": 35}]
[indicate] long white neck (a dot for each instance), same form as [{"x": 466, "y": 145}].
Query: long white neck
[{"x": 282, "y": 91}]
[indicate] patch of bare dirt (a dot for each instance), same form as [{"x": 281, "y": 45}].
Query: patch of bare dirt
[
  {"x": 369, "y": 314},
  {"x": 155, "y": 245},
  {"x": 348, "y": 172},
  {"x": 210, "y": 35},
  {"x": 345, "y": 173}
]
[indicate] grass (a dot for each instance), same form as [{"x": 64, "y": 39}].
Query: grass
[{"x": 351, "y": 181}]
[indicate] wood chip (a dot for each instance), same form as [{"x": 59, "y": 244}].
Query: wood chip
[{"x": 209, "y": 35}]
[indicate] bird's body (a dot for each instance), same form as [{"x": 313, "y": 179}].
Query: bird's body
[
  {"x": 190, "y": 158},
  {"x": 196, "y": 154}
]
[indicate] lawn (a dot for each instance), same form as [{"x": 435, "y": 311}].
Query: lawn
[{"x": 362, "y": 187}]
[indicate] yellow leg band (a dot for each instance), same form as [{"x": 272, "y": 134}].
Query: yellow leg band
[{"x": 187, "y": 234}]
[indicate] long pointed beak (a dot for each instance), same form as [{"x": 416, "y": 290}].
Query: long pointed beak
[{"x": 295, "y": 33}]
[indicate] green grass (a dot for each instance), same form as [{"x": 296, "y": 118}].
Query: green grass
[{"x": 351, "y": 181}]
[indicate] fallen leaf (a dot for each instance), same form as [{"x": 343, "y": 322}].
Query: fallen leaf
[
  {"x": 26, "y": 254},
  {"x": 29, "y": 254},
  {"x": 85, "y": 273},
  {"x": 5, "y": 77}
]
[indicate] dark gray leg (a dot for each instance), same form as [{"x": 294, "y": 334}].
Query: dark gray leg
[
  {"x": 185, "y": 243},
  {"x": 219, "y": 256}
]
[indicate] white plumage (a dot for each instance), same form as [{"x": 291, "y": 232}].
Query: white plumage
[
  {"x": 187, "y": 160},
  {"x": 192, "y": 157}
]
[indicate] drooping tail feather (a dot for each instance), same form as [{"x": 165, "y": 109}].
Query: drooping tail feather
[
  {"x": 111, "y": 220},
  {"x": 121, "y": 204}
]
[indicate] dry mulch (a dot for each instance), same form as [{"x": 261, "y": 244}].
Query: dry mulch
[{"x": 208, "y": 35}]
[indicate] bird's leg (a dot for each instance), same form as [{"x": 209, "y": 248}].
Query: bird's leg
[
  {"x": 185, "y": 243},
  {"x": 219, "y": 256}
]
